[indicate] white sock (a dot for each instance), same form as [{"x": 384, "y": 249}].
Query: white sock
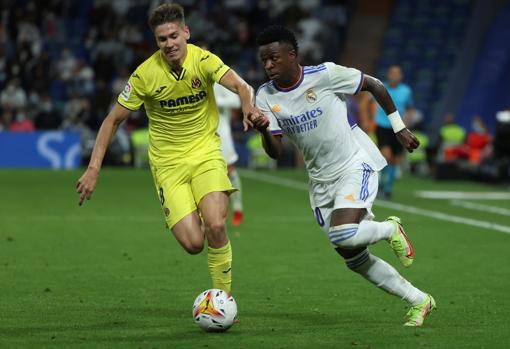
[
  {"x": 384, "y": 276},
  {"x": 358, "y": 235},
  {"x": 236, "y": 199}
]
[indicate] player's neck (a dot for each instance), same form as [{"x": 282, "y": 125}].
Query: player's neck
[
  {"x": 176, "y": 66},
  {"x": 293, "y": 78}
]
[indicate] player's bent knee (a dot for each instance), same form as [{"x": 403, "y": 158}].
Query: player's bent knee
[
  {"x": 358, "y": 260},
  {"x": 215, "y": 228},
  {"x": 349, "y": 253},
  {"x": 344, "y": 236},
  {"x": 216, "y": 234},
  {"x": 194, "y": 247}
]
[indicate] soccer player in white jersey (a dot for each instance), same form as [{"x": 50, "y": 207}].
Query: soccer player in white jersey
[
  {"x": 307, "y": 104},
  {"x": 226, "y": 102}
]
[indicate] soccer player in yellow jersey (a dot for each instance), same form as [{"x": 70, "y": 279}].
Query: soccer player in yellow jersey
[{"x": 176, "y": 85}]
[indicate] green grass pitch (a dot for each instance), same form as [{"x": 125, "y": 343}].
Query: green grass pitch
[{"x": 108, "y": 274}]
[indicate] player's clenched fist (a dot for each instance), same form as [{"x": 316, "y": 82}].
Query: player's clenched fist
[
  {"x": 408, "y": 140},
  {"x": 250, "y": 115},
  {"x": 86, "y": 184},
  {"x": 260, "y": 122}
]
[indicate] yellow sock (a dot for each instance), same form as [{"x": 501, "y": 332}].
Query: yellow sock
[{"x": 220, "y": 266}]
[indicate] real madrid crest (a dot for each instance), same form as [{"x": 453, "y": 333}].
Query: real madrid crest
[
  {"x": 195, "y": 82},
  {"x": 311, "y": 97}
]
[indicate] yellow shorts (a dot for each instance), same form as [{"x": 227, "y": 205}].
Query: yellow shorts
[{"x": 181, "y": 187}]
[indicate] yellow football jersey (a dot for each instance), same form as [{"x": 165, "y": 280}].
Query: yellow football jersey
[{"x": 182, "y": 111}]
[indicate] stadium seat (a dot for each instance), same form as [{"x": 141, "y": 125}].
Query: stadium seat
[{"x": 423, "y": 36}]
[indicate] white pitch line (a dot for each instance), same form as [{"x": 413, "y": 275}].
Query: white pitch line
[
  {"x": 282, "y": 182},
  {"x": 289, "y": 183},
  {"x": 444, "y": 216},
  {"x": 481, "y": 207},
  {"x": 475, "y": 195}
]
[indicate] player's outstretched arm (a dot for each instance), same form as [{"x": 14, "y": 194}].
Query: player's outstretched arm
[
  {"x": 272, "y": 143},
  {"x": 87, "y": 182},
  {"x": 236, "y": 84},
  {"x": 381, "y": 95}
]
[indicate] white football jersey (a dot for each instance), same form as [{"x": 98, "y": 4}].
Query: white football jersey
[
  {"x": 226, "y": 100},
  {"x": 313, "y": 114}
]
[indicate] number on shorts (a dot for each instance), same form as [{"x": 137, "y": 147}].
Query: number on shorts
[
  {"x": 318, "y": 217},
  {"x": 161, "y": 195}
]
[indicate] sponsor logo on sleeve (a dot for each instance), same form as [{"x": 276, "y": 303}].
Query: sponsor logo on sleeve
[{"x": 127, "y": 91}]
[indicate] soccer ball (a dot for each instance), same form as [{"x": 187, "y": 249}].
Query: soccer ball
[{"x": 214, "y": 310}]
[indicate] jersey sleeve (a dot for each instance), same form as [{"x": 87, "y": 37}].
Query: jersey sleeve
[
  {"x": 261, "y": 103},
  {"x": 344, "y": 80},
  {"x": 212, "y": 66},
  {"x": 132, "y": 95}
]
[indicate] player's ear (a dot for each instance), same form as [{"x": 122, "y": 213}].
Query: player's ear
[{"x": 187, "y": 33}]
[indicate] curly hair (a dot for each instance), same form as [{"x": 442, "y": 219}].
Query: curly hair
[
  {"x": 277, "y": 33},
  {"x": 166, "y": 13}
]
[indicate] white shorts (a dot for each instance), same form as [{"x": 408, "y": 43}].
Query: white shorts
[
  {"x": 356, "y": 188},
  {"x": 227, "y": 143}
]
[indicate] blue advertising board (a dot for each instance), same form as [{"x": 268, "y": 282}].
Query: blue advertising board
[{"x": 53, "y": 149}]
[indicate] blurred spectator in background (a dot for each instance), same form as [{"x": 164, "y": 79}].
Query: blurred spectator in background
[
  {"x": 478, "y": 142},
  {"x": 21, "y": 122},
  {"x": 46, "y": 116},
  {"x": 66, "y": 65},
  {"x": 451, "y": 135},
  {"x": 55, "y": 55},
  {"x": 475, "y": 147},
  {"x": 13, "y": 97},
  {"x": 81, "y": 82},
  {"x": 390, "y": 147},
  {"x": 228, "y": 102}
]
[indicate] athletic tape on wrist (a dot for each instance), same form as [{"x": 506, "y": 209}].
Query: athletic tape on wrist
[{"x": 396, "y": 121}]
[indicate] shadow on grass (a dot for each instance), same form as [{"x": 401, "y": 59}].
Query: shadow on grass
[
  {"x": 79, "y": 320},
  {"x": 175, "y": 327}
]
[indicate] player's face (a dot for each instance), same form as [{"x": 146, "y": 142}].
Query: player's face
[
  {"x": 394, "y": 75},
  {"x": 277, "y": 60},
  {"x": 171, "y": 38}
]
